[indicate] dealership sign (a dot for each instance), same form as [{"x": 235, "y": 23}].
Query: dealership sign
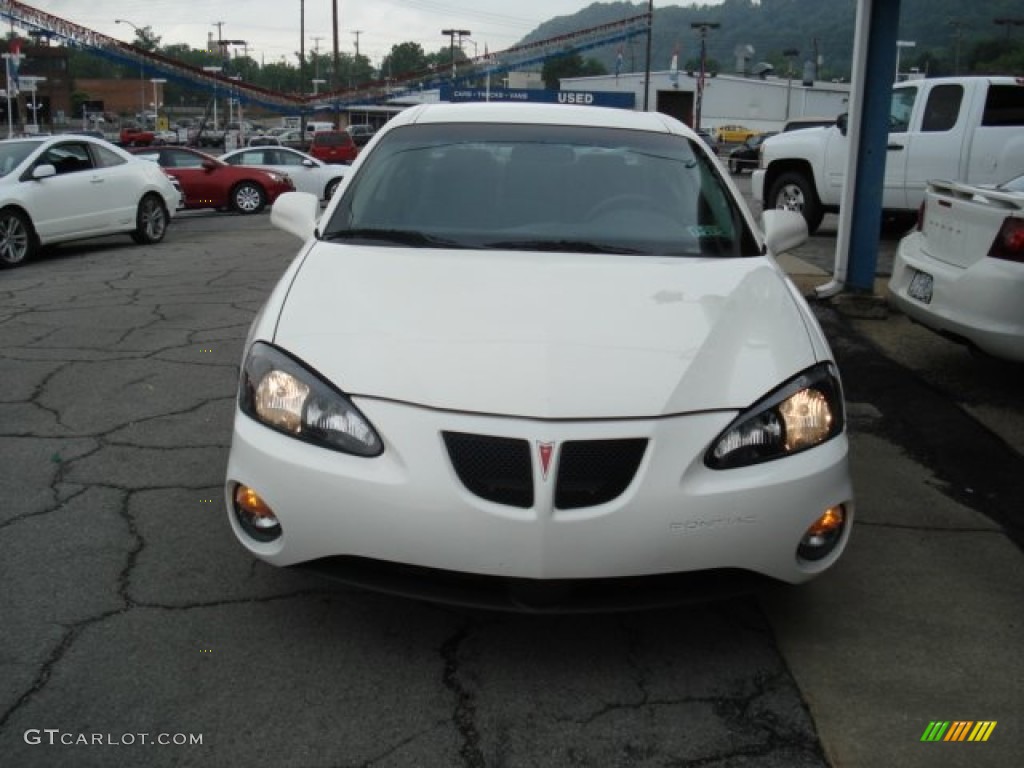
[{"x": 587, "y": 98}]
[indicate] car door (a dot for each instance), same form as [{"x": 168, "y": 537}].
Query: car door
[
  {"x": 837, "y": 151},
  {"x": 305, "y": 177},
  {"x": 203, "y": 187},
  {"x": 936, "y": 144},
  {"x": 120, "y": 183},
  {"x": 68, "y": 204}
]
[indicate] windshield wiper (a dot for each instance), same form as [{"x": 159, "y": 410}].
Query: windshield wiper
[
  {"x": 399, "y": 236},
  {"x": 568, "y": 246}
]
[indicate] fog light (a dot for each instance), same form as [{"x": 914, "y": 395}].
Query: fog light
[
  {"x": 823, "y": 535},
  {"x": 253, "y": 514}
]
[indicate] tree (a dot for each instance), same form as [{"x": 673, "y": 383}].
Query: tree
[
  {"x": 569, "y": 65},
  {"x": 146, "y": 39},
  {"x": 404, "y": 59}
]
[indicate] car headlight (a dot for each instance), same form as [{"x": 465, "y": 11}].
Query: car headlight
[
  {"x": 282, "y": 394},
  {"x": 802, "y": 413}
]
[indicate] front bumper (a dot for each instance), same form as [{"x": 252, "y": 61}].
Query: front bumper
[{"x": 409, "y": 507}]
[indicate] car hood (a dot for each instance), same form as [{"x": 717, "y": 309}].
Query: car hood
[{"x": 544, "y": 335}]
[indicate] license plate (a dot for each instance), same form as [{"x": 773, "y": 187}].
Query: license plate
[{"x": 921, "y": 287}]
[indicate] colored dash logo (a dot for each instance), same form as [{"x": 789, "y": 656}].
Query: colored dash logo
[{"x": 958, "y": 730}]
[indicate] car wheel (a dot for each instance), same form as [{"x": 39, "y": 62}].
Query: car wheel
[
  {"x": 150, "y": 221},
  {"x": 332, "y": 187},
  {"x": 17, "y": 240},
  {"x": 795, "y": 192},
  {"x": 248, "y": 197}
]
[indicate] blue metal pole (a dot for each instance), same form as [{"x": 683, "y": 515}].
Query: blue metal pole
[{"x": 871, "y": 151}]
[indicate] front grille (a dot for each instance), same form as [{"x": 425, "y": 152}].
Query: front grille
[
  {"x": 592, "y": 472},
  {"x": 494, "y": 468}
]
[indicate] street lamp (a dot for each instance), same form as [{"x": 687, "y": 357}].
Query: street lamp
[
  {"x": 156, "y": 81},
  {"x": 790, "y": 54},
  {"x": 702, "y": 27},
  {"x": 214, "y": 70},
  {"x": 142, "y": 74},
  {"x": 31, "y": 84},
  {"x": 901, "y": 44}
]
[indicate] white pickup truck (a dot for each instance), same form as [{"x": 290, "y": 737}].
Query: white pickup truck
[{"x": 968, "y": 129}]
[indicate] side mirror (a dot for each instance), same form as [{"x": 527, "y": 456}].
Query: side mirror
[
  {"x": 783, "y": 230},
  {"x": 296, "y": 213},
  {"x": 841, "y": 123},
  {"x": 44, "y": 171}
]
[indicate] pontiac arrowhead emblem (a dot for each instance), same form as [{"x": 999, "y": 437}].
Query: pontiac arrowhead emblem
[{"x": 547, "y": 450}]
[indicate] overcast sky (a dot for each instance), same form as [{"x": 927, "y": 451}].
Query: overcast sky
[{"x": 271, "y": 27}]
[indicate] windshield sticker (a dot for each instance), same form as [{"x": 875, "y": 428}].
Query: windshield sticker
[{"x": 706, "y": 231}]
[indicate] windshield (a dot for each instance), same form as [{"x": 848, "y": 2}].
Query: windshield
[
  {"x": 542, "y": 187},
  {"x": 12, "y": 153},
  {"x": 1015, "y": 185}
]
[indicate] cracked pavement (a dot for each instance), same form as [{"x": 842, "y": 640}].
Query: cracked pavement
[{"x": 128, "y": 608}]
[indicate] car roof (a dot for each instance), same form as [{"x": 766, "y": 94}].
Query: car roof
[{"x": 545, "y": 114}]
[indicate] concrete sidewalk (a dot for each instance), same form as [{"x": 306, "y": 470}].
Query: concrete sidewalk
[{"x": 938, "y": 583}]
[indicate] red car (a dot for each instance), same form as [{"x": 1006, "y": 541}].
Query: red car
[
  {"x": 206, "y": 182},
  {"x": 333, "y": 147}
]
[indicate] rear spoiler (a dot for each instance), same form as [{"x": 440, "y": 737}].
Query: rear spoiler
[{"x": 959, "y": 191}]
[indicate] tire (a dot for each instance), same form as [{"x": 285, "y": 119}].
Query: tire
[
  {"x": 793, "y": 191},
  {"x": 332, "y": 187},
  {"x": 17, "y": 239},
  {"x": 151, "y": 221},
  {"x": 248, "y": 197}
]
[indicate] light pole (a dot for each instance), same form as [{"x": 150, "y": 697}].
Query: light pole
[
  {"x": 790, "y": 54},
  {"x": 142, "y": 73},
  {"x": 703, "y": 26},
  {"x": 156, "y": 81},
  {"x": 214, "y": 70},
  {"x": 31, "y": 84},
  {"x": 900, "y": 45}
]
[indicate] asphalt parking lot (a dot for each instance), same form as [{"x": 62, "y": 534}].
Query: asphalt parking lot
[{"x": 130, "y": 617}]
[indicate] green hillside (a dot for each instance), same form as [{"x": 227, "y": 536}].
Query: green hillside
[{"x": 772, "y": 26}]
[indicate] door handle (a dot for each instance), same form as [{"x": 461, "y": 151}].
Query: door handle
[{"x": 895, "y": 147}]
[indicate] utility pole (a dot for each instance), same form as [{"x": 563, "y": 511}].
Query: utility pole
[
  {"x": 337, "y": 66},
  {"x": 351, "y": 72},
  {"x": 316, "y": 55},
  {"x": 1009, "y": 23},
  {"x": 703, "y": 26},
  {"x": 647, "y": 65},
  {"x": 451, "y": 34},
  {"x": 302, "y": 64},
  {"x": 958, "y": 33}
]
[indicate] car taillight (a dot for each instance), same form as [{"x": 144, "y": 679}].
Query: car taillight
[
  {"x": 1009, "y": 243},
  {"x": 920, "y": 216}
]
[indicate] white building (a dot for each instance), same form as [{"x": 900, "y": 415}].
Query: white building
[{"x": 761, "y": 105}]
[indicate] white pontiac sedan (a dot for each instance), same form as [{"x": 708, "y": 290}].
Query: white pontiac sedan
[
  {"x": 68, "y": 187},
  {"x": 306, "y": 172},
  {"x": 961, "y": 272},
  {"x": 539, "y": 356}
]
